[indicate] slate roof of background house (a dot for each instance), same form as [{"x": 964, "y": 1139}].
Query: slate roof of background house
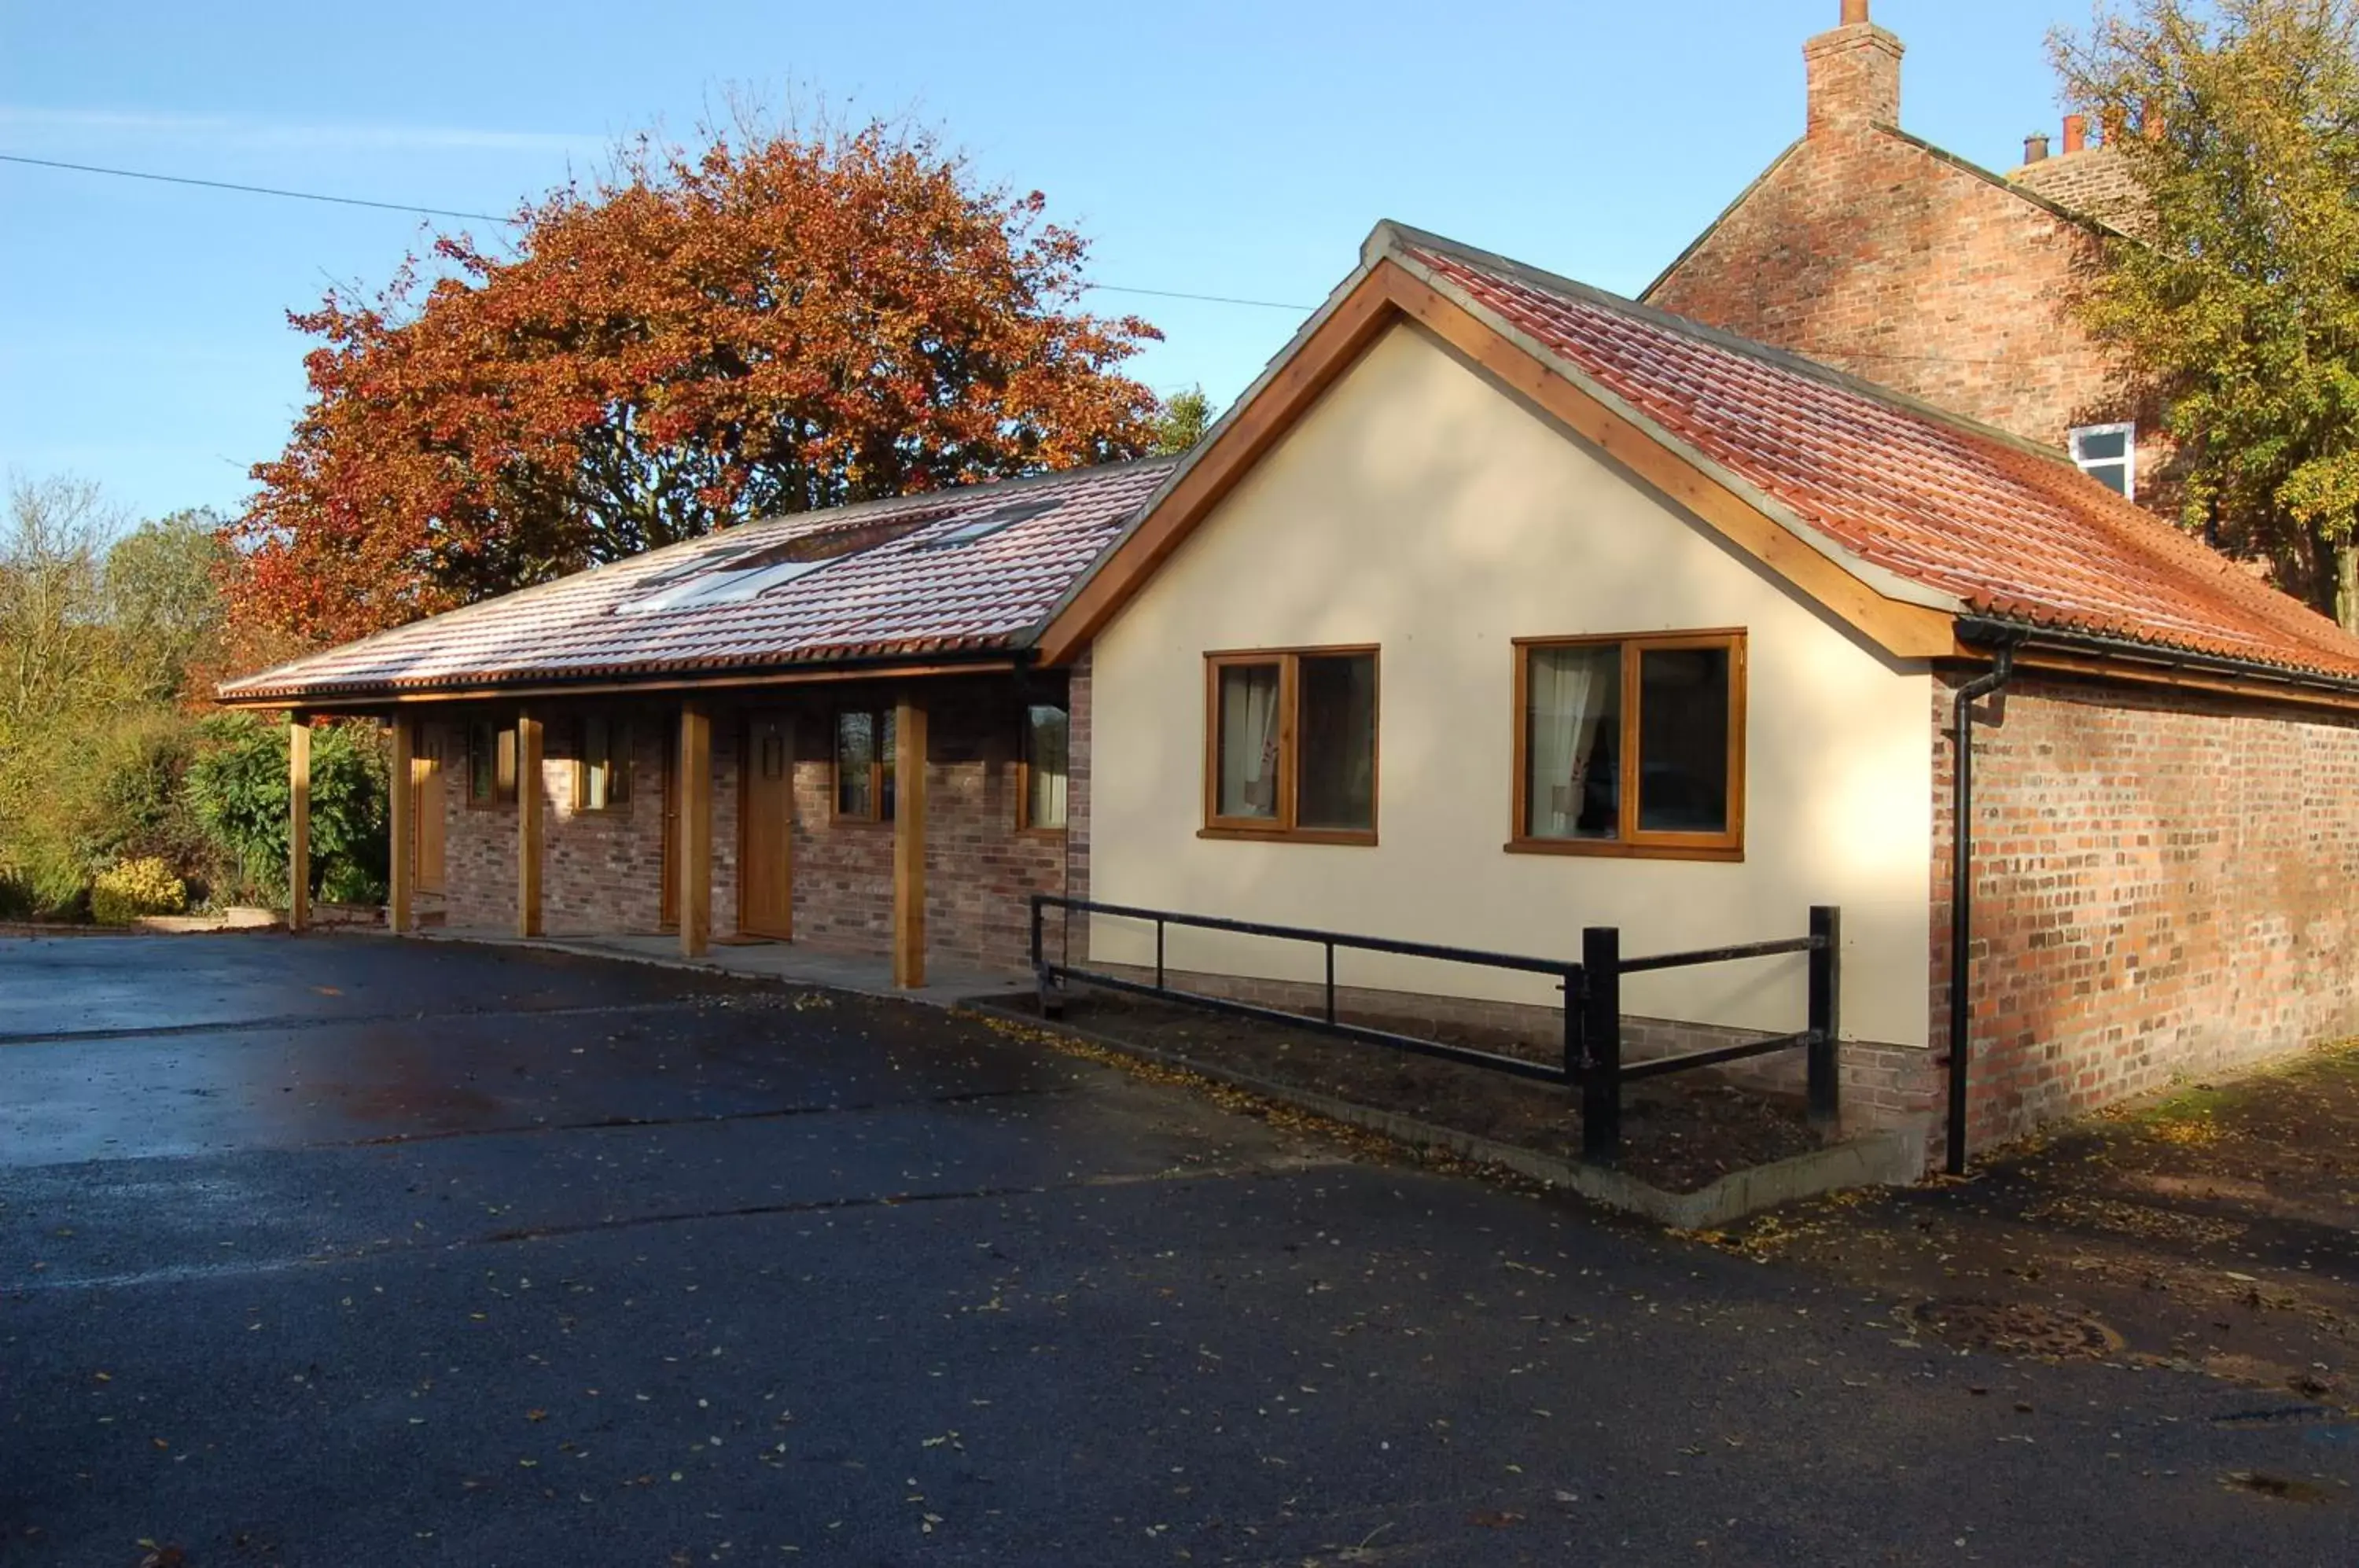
[
  {"x": 1995, "y": 525},
  {"x": 909, "y": 596}
]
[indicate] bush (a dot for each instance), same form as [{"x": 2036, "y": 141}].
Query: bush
[
  {"x": 135, "y": 888},
  {"x": 237, "y": 786}
]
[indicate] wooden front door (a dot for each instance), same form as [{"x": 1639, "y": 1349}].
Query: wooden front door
[
  {"x": 766, "y": 900},
  {"x": 426, "y": 760}
]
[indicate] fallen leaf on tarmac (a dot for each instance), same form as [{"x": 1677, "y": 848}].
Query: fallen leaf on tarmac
[
  {"x": 326, "y": 990},
  {"x": 1495, "y": 1518},
  {"x": 536, "y": 1415},
  {"x": 164, "y": 1557}
]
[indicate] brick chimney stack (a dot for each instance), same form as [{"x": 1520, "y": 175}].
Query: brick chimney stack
[
  {"x": 2076, "y": 132},
  {"x": 1853, "y": 73}
]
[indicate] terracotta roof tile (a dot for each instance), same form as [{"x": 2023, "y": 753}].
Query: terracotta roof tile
[
  {"x": 910, "y": 594},
  {"x": 2009, "y": 531}
]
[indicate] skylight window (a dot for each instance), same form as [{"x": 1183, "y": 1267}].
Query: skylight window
[
  {"x": 745, "y": 574},
  {"x": 989, "y": 523}
]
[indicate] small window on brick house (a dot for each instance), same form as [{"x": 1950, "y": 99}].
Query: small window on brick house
[
  {"x": 863, "y": 765},
  {"x": 1043, "y": 768},
  {"x": 602, "y": 765},
  {"x": 2108, "y": 454},
  {"x": 491, "y": 765}
]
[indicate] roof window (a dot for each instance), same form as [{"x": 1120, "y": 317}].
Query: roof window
[
  {"x": 739, "y": 576},
  {"x": 990, "y": 523}
]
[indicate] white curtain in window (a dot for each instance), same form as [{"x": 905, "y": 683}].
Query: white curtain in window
[
  {"x": 1571, "y": 690},
  {"x": 1249, "y": 741}
]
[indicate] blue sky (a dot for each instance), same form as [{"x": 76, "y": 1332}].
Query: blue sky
[{"x": 1235, "y": 149}]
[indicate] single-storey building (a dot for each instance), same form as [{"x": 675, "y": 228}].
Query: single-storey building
[{"x": 1499, "y": 608}]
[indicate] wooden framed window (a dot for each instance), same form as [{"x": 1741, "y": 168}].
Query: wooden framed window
[
  {"x": 1043, "y": 767},
  {"x": 491, "y": 765},
  {"x": 1290, "y": 745},
  {"x": 601, "y": 764},
  {"x": 863, "y": 765},
  {"x": 1631, "y": 746}
]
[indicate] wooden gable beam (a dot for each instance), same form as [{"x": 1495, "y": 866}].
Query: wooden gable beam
[{"x": 1390, "y": 295}]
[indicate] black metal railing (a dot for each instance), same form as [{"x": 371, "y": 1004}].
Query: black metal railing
[{"x": 1592, "y": 1057}]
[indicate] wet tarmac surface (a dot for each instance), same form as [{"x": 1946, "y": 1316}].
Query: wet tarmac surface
[{"x": 341, "y": 1251}]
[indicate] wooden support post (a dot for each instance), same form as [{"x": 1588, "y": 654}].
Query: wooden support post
[
  {"x": 402, "y": 867},
  {"x": 529, "y": 791},
  {"x": 694, "y": 776},
  {"x": 299, "y": 820},
  {"x": 909, "y": 843}
]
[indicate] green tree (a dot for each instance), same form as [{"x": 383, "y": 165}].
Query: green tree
[
  {"x": 57, "y": 652},
  {"x": 102, "y": 635},
  {"x": 164, "y": 600},
  {"x": 238, "y": 786},
  {"x": 1182, "y": 421},
  {"x": 2238, "y": 308}
]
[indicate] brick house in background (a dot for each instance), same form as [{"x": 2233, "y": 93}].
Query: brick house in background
[{"x": 1865, "y": 249}]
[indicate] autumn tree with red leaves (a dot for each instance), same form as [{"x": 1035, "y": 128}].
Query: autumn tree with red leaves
[{"x": 776, "y": 323}]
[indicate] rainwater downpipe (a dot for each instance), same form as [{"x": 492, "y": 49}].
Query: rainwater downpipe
[{"x": 1961, "y": 888}]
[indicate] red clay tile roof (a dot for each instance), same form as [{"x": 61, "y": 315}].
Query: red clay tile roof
[
  {"x": 2007, "y": 529},
  {"x": 912, "y": 594}
]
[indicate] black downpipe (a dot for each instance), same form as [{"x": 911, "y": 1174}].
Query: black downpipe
[{"x": 1962, "y": 888}]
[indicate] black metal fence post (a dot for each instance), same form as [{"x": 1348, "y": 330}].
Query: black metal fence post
[
  {"x": 1576, "y": 1019},
  {"x": 1826, "y": 1015},
  {"x": 1052, "y": 1006},
  {"x": 1601, "y": 1071}
]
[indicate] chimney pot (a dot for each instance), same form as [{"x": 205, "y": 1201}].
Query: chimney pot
[
  {"x": 2076, "y": 132},
  {"x": 2034, "y": 147},
  {"x": 1854, "y": 11}
]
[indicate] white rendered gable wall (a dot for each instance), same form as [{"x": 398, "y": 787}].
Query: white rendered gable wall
[{"x": 1419, "y": 508}]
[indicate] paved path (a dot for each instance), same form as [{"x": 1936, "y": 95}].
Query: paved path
[{"x": 345, "y": 1251}]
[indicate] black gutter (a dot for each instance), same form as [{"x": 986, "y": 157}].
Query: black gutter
[
  {"x": 1989, "y": 632},
  {"x": 1961, "y": 886}
]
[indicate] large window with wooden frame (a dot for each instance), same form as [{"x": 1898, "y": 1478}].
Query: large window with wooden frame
[
  {"x": 1631, "y": 746},
  {"x": 1043, "y": 767},
  {"x": 601, "y": 764},
  {"x": 490, "y": 764},
  {"x": 1290, "y": 745},
  {"x": 863, "y": 765}
]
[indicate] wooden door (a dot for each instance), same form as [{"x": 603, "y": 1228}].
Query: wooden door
[
  {"x": 426, "y": 786},
  {"x": 766, "y": 900},
  {"x": 668, "y": 904}
]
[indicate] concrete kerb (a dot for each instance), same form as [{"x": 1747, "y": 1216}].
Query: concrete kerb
[{"x": 1882, "y": 1159}]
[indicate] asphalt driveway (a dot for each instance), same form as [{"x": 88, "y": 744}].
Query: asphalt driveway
[{"x": 348, "y": 1251}]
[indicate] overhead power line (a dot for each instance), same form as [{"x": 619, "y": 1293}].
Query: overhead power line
[{"x": 495, "y": 218}]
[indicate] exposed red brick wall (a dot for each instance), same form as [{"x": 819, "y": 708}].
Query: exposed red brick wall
[
  {"x": 1866, "y": 252},
  {"x": 2165, "y": 883},
  {"x": 601, "y": 872}
]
